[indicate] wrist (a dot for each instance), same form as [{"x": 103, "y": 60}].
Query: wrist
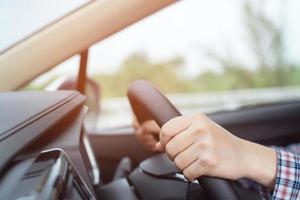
[{"x": 259, "y": 163}]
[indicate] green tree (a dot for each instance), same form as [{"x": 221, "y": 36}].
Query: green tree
[{"x": 165, "y": 74}]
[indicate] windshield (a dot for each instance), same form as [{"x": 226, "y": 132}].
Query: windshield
[
  {"x": 206, "y": 55},
  {"x": 19, "y": 19}
]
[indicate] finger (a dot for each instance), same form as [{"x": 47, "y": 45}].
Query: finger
[
  {"x": 147, "y": 130},
  {"x": 174, "y": 127},
  {"x": 142, "y": 131},
  {"x": 193, "y": 171},
  {"x": 180, "y": 142},
  {"x": 159, "y": 147},
  {"x": 151, "y": 126},
  {"x": 147, "y": 138},
  {"x": 150, "y": 145},
  {"x": 140, "y": 135},
  {"x": 186, "y": 158}
]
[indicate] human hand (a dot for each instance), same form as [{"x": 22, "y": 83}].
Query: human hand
[
  {"x": 199, "y": 146},
  {"x": 147, "y": 133}
]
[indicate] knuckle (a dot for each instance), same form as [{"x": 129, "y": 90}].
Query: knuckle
[
  {"x": 168, "y": 126},
  {"x": 203, "y": 145},
  {"x": 169, "y": 150},
  {"x": 168, "y": 147},
  {"x": 205, "y": 126},
  {"x": 178, "y": 162},
  {"x": 200, "y": 127},
  {"x": 209, "y": 162},
  {"x": 196, "y": 132},
  {"x": 199, "y": 116},
  {"x": 165, "y": 130},
  {"x": 188, "y": 175}
]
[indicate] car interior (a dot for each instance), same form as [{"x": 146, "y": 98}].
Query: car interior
[{"x": 47, "y": 152}]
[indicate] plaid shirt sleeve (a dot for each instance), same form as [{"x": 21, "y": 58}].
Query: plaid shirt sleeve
[{"x": 287, "y": 184}]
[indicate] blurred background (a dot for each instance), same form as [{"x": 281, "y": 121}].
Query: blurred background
[{"x": 206, "y": 55}]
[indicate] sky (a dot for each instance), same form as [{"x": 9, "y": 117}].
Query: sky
[{"x": 188, "y": 28}]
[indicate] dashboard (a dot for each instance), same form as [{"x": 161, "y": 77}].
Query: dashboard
[
  {"x": 47, "y": 152},
  {"x": 49, "y": 175}
]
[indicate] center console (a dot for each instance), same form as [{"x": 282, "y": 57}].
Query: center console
[{"x": 51, "y": 176}]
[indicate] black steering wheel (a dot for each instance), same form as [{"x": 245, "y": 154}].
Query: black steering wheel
[{"x": 149, "y": 103}]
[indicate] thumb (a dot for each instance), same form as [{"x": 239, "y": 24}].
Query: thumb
[{"x": 159, "y": 147}]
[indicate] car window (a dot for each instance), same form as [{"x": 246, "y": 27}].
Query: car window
[
  {"x": 19, "y": 19},
  {"x": 54, "y": 79},
  {"x": 206, "y": 55}
]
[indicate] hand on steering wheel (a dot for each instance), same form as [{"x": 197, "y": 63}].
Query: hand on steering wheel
[
  {"x": 199, "y": 146},
  {"x": 148, "y": 103}
]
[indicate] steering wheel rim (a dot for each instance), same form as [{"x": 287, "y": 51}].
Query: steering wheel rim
[{"x": 147, "y": 102}]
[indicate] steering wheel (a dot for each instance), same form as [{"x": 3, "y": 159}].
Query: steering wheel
[{"x": 149, "y": 103}]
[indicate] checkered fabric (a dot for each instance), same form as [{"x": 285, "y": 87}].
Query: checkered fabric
[{"x": 287, "y": 185}]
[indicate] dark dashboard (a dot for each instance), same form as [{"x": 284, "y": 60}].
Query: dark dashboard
[{"x": 45, "y": 152}]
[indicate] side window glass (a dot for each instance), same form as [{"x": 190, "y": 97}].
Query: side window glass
[
  {"x": 57, "y": 77},
  {"x": 203, "y": 60}
]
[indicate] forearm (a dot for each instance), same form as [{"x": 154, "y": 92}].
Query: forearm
[
  {"x": 287, "y": 183},
  {"x": 259, "y": 163}
]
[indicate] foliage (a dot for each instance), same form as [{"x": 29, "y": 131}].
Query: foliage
[{"x": 139, "y": 66}]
